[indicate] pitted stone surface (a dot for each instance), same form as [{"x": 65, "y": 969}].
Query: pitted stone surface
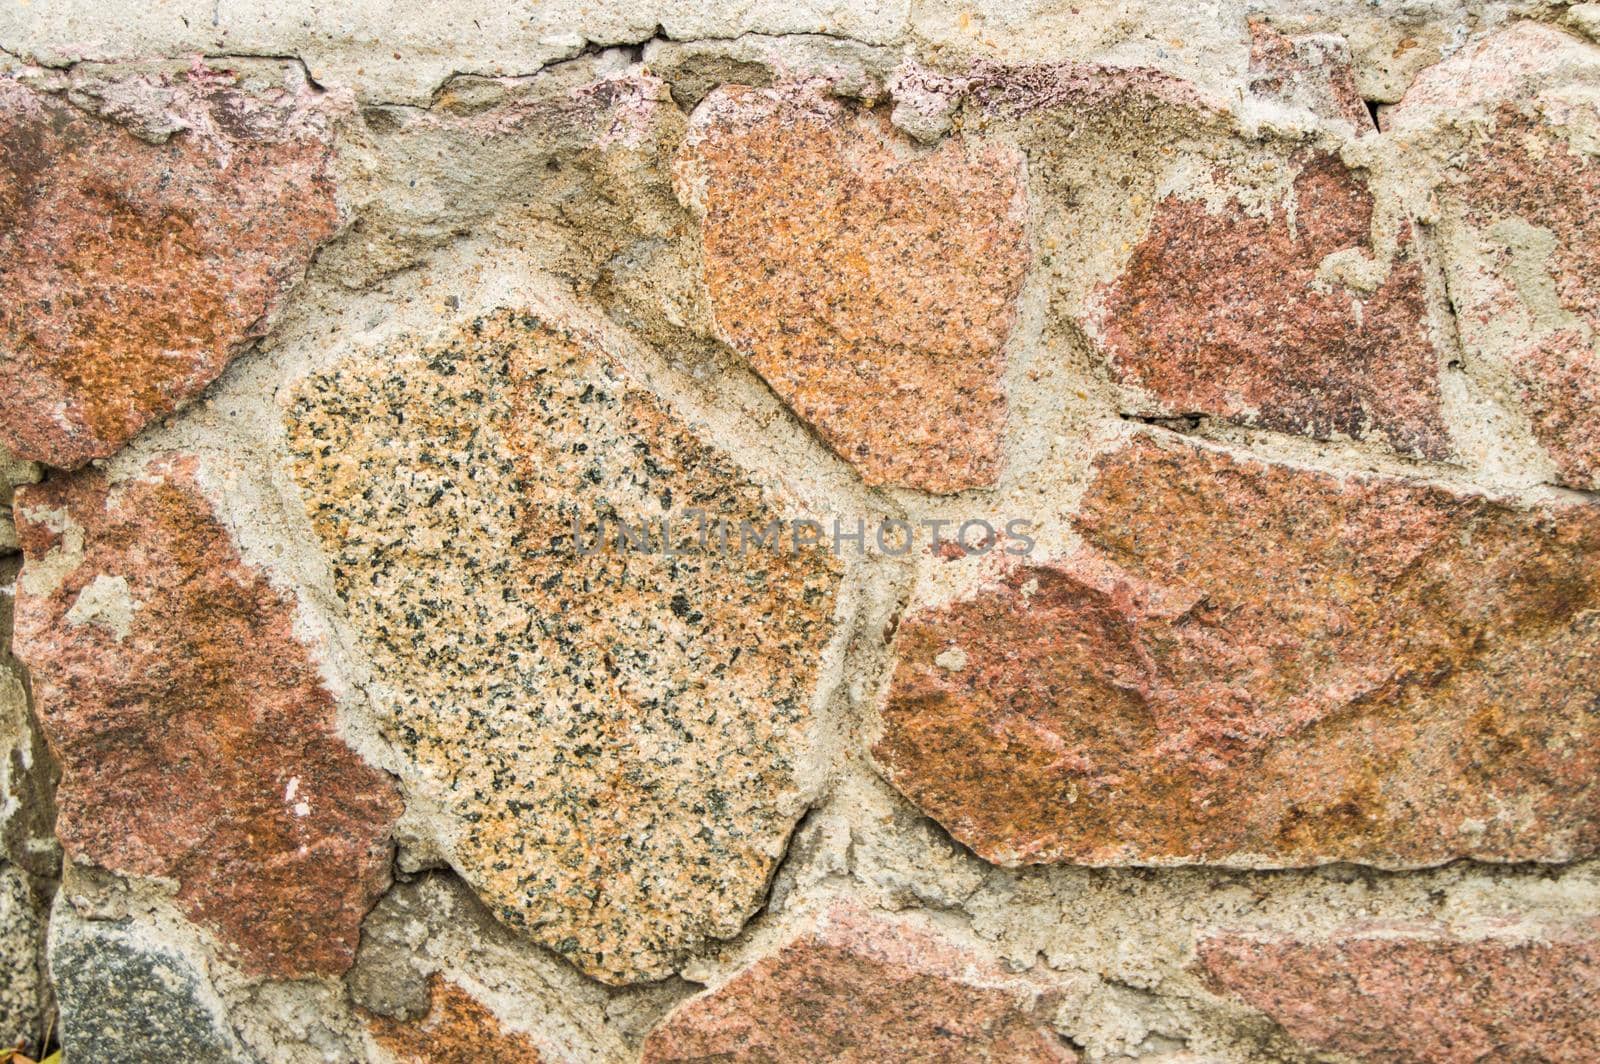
[
  {"x": 872, "y": 285},
  {"x": 1422, "y": 995},
  {"x": 197, "y": 740},
  {"x": 133, "y": 271},
  {"x": 22, "y": 991},
  {"x": 28, "y": 857},
  {"x": 858, "y": 988},
  {"x": 457, "y": 1029},
  {"x": 617, "y": 738},
  {"x": 1311, "y": 71},
  {"x": 1521, "y": 196},
  {"x": 1258, "y": 665},
  {"x": 127, "y": 995},
  {"x": 1224, "y": 311}
]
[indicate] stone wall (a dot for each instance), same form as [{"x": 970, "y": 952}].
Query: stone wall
[{"x": 1104, "y": 543}]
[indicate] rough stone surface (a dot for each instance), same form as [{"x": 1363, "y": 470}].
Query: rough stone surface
[
  {"x": 456, "y": 1030},
  {"x": 404, "y": 53},
  {"x": 572, "y": 162},
  {"x": 1522, "y": 201},
  {"x": 1422, "y": 996},
  {"x": 1311, "y": 71},
  {"x": 1225, "y": 311},
  {"x": 1253, "y": 664},
  {"x": 859, "y": 988},
  {"x": 125, "y": 994},
  {"x": 22, "y": 990},
  {"x": 871, "y": 285},
  {"x": 1329, "y": 618},
  {"x": 197, "y": 740},
  {"x": 134, "y": 271},
  {"x": 616, "y": 736},
  {"x": 27, "y": 854},
  {"x": 13, "y": 471}
]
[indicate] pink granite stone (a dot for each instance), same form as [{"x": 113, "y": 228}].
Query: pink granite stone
[
  {"x": 1222, "y": 311},
  {"x": 196, "y": 738},
  {"x": 860, "y": 988},
  {"x": 871, "y": 285},
  {"x": 1520, "y": 195},
  {"x": 1312, "y": 71},
  {"x": 1422, "y": 996},
  {"x": 132, "y": 271}
]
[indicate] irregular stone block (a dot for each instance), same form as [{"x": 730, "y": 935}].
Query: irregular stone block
[
  {"x": 196, "y": 738},
  {"x": 1311, "y": 71},
  {"x": 457, "y": 1029},
  {"x": 1422, "y": 996},
  {"x": 616, "y": 737},
  {"x": 134, "y": 271},
  {"x": 862, "y": 988},
  {"x": 1515, "y": 118},
  {"x": 1232, "y": 312},
  {"x": 126, "y": 994},
  {"x": 871, "y": 285},
  {"x": 1258, "y": 665},
  {"x": 1068, "y": 89}
]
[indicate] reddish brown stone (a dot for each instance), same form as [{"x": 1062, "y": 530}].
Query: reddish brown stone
[
  {"x": 1521, "y": 172},
  {"x": 133, "y": 272},
  {"x": 1422, "y": 997},
  {"x": 872, "y": 285},
  {"x": 1221, "y": 312},
  {"x": 1258, "y": 665},
  {"x": 196, "y": 739},
  {"x": 854, "y": 988},
  {"x": 1312, "y": 71},
  {"x": 456, "y": 1030}
]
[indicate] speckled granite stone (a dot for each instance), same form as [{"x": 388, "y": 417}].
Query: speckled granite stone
[
  {"x": 126, "y": 995},
  {"x": 134, "y": 271},
  {"x": 871, "y": 285},
  {"x": 27, "y": 856},
  {"x": 22, "y": 985},
  {"x": 615, "y": 737},
  {"x": 1310, "y": 70}
]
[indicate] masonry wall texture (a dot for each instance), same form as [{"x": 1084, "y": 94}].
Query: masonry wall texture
[{"x": 870, "y": 531}]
